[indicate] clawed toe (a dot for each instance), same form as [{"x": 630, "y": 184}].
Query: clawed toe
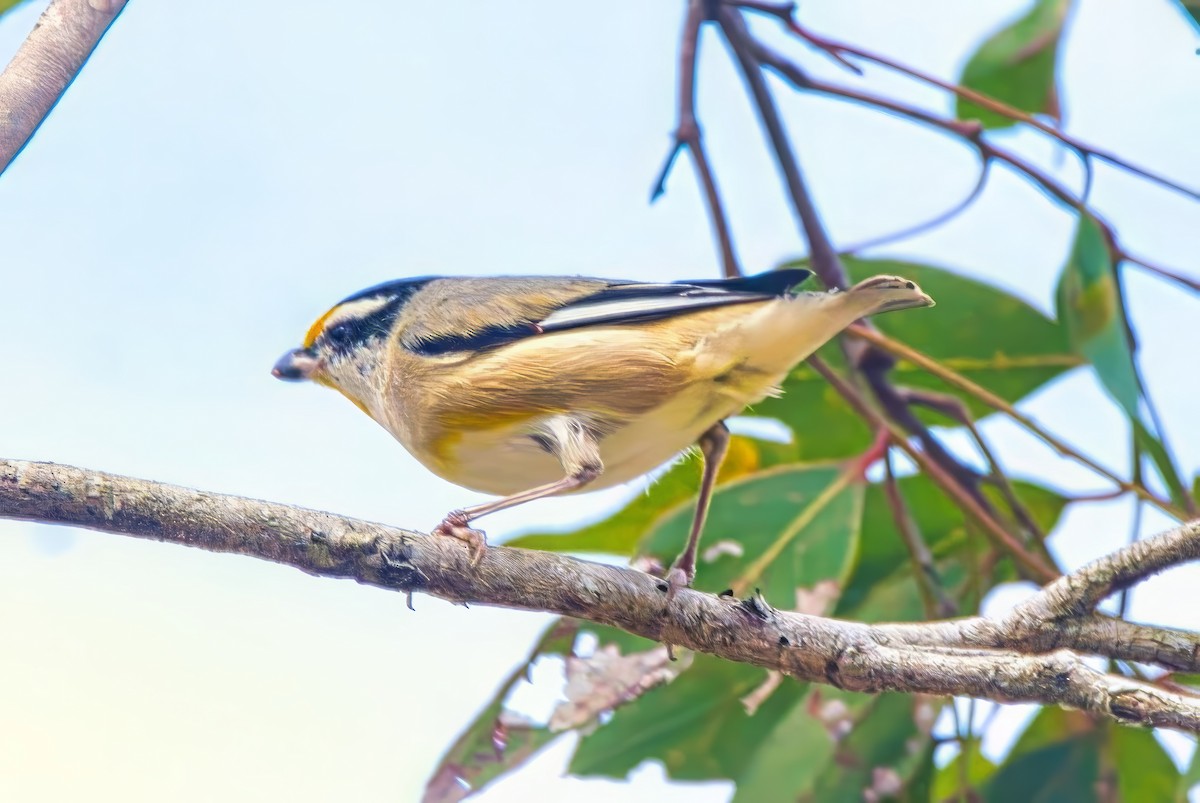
[
  {"x": 676, "y": 579},
  {"x": 456, "y": 525}
]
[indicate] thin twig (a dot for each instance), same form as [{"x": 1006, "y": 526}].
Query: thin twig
[
  {"x": 954, "y": 408},
  {"x": 1035, "y": 564},
  {"x": 842, "y": 49},
  {"x": 1135, "y": 530},
  {"x": 926, "y": 225},
  {"x": 937, "y": 601},
  {"x": 688, "y": 135},
  {"x": 1166, "y": 273},
  {"x": 46, "y": 64},
  {"x": 825, "y": 261},
  {"x": 957, "y": 380}
]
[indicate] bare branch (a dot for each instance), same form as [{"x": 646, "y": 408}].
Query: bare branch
[
  {"x": 688, "y": 135},
  {"x": 825, "y": 261},
  {"x": 933, "y": 658},
  {"x": 45, "y": 66},
  {"x": 1079, "y": 593}
]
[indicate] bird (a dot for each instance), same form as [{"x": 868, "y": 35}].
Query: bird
[{"x": 525, "y": 387}]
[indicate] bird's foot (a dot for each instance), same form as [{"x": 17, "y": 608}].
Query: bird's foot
[
  {"x": 679, "y": 577},
  {"x": 456, "y": 525}
]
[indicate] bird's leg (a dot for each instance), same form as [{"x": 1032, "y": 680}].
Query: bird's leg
[
  {"x": 714, "y": 443},
  {"x": 568, "y": 439}
]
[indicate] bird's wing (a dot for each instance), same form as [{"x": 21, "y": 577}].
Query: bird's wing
[
  {"x": 623, "y": 303},
  {"x": 638, "y": 303}
]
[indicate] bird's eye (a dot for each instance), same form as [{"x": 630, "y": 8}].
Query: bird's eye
[{"x": 338, "y": 335}]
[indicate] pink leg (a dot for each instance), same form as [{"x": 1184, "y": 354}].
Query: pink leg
[
  {"x": 714, "y": 443},
  {"x": 574, "y": 446}
]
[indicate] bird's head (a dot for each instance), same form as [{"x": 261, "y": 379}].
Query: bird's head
[{"x": 344, "y": 347}]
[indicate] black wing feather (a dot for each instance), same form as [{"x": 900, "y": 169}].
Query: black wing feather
[{"x": 627, "y": 303}]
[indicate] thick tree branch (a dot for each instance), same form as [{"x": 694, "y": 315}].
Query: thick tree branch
[
  {"x": 45, "y": 66},
  {"x": 936, "y": 658}
]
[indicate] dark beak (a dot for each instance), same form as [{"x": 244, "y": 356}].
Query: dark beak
[{"x": 295, "y": 366}]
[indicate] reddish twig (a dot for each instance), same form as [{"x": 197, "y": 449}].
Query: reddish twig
[
  {"x": 955, "y": 409},
  {"x": 1035, "y": 564}
]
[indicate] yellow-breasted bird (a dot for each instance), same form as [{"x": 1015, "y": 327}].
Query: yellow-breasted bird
[{"x": 526, "y": 387}]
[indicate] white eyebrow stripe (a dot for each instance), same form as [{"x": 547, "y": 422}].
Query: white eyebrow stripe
[{"x": 363, "y": 308}]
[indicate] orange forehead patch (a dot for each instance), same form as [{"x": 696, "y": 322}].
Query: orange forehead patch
[{"x": 315, "y": 330}]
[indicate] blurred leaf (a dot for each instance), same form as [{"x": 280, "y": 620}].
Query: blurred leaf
[
  {"x": 620, "y": 533},
  {"x": 836, "y": 745},
  {"x": 1163, "y": 462},
  {"x": 1092, "y": 312},
  {"x": 496, "y": 742},
  {"x": 790, "y": 760},
  {"x": 1067, "y": 756},
  {"x": 1190, "y": 779},
  {"x": 884, "y": 586},
  {"x": 810, "y": 514},
  {"x": 879, "y": 755},
  {"x": 1143, "y": 768},
  {"x": 1051, "y": 725},
  {"x": 1089, "y": 306},
  {"x": 697, "y": 726},
  {"x": 1062, "y": 772},
  {"x": 989, "y": 336},
  {"x": 8, "y": 5},
  {"x": 964, "y": 776},
  {"x": 607, "y": 679},
  {"x": 1017, "y": 65}
]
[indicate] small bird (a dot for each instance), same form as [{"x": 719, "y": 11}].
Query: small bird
[{"x": 527, "y": 387}]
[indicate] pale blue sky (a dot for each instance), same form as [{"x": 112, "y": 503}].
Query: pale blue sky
[{"x": 221, "y": 173}]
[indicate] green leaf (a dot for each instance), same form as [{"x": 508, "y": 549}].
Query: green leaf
[
  {"x": 1017, "y": 65},
  {"x": 999, "y": 341},
  {"x": 1092, "y": 313},
  {"x": 1062, "y": 772},
  {"x": 620, "y": 533},
  {"x": 697, "y": 726},
  {"x": 884, "y": 586},
  {"x": 1067, "y": 756},
  {"x": 1089, "y": 306},
  {"x": 785, "y": 528},
  {"x": 885, "y": 743},
  {"x": 962, "y": 777},
  {"x": 1190, "y": 779},
  {"x": 1144, "y": 770},
  {"x": 790, "y": 760},
  {"x": 494, "y": 744},
  {"x": 835, "y": 745},
  {"x": 9, "y": 5}
]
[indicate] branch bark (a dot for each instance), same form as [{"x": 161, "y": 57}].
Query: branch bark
[
  {"x": 46, "y": 64},
  {"x": 1005, "y": 661}
]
